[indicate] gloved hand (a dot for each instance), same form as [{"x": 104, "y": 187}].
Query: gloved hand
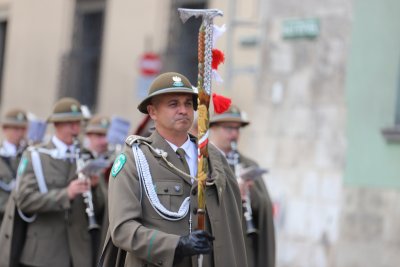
[{"x": 197, "y": 242}]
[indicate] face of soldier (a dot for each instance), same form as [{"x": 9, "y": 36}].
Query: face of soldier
[
  {"x": 172, "y": 113},
  {"x": 67, "y": 131},
  {"x": 98, "y": 143},
  {"x": 224, "y": 133},
  {"x": 14, "y": 134}
]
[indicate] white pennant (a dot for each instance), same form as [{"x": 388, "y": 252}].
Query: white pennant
[{"x": 217, "y": 32}]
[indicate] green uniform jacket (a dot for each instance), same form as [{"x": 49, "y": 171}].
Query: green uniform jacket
[
  {"x": 261, "y": 248},
  {"x": 8, "y": 170},
  {"x": 150, "y": 240},
  {"x": 59, "y": 235}
]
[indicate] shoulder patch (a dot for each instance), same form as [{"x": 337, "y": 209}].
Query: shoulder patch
[
  {"x": 118, "y": 164},
  {"x": 22, "y": 165},
  {"x": 130, "y": 140}
]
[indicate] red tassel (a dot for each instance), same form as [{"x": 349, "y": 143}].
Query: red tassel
[
  {"x": 221, "y": 103},
  {"x": 218, "y": 57}
]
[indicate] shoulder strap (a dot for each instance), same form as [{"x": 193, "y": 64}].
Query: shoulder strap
[
  {"x": 38, "y": 170},
  {"x": 130, "y": 140}
]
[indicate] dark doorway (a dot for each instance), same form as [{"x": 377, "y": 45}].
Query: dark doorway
[
  {"x": 80, "y": 73},
  {"x": 3, "y": 35}
]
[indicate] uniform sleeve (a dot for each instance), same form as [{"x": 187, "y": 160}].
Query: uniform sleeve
[
  {"x": 30, "y": 200},
  {"x": 6, "y": 184},
  {"x": 127, "y": 233}
]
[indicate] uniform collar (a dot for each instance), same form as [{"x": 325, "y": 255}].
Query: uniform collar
[
  {"x": 61, "y": 146},
  {"x": 188, "y": 146}
]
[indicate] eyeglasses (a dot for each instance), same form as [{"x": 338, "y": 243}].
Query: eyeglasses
[{"x": 230, "y": 128}]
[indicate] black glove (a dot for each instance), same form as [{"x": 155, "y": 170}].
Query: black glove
[{"x": 198, "y": 242}]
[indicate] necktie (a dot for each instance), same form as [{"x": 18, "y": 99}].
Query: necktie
[
  {"x": 69, "y": 155},
  {"x": 181, "y": 154}
]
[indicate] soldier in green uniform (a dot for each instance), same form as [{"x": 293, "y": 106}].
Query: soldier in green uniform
[
  {"x": 225, "y": 129},
  {"x": 153, "y": 192},
  {"x": 14, "y": 125},
  {"x": 49, "y": 195}
]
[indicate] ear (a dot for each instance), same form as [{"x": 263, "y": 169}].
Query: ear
[{"x": 152, "y": 111}]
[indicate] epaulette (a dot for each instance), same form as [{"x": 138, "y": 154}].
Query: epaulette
[{"x": 130, "y": 140}]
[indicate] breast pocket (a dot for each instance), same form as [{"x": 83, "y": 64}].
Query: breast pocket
[{"x": 170, "y": 195}]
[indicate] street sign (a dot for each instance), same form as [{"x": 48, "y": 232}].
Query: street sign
[
  {"x": 300, "y": 28},
  {"x": 150, "y": 64}
]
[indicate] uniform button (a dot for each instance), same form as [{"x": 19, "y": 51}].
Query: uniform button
[
  {"x": 166, "y": 190},
  {"x": 160, "y": 263},
  {"x": 7, "y": 236},
  {"x": 10, "y": 217},
  {"x": 194, "y": 211},
  {"x": 194, "y": 191}
]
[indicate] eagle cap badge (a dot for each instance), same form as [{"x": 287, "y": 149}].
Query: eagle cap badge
[{"x": 177, "y": 81}]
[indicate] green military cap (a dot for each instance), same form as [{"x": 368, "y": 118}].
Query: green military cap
[
  {"x": 166, "y": 83},
  {"x": 15, "y": 118},
  {"x": 233, "y": 114},
  {"x": 98, "y": 125},
  {"x": 66, "y": 109}
]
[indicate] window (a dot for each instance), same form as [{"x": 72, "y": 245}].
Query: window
[
  {"x": 80, "y": 70},
  {"x": 3, "y": 35}
]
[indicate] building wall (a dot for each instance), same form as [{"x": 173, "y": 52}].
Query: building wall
[
  {"x": 295, "y": 100},
  {"x": 36, "y": 40},
  {"x": 370, "y": 215},
  {"x": 372, "y": 88}
]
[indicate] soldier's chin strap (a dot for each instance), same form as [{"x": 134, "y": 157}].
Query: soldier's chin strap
[{"x": 146, "y": 180}]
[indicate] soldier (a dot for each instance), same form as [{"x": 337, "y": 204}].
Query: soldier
[
  {"x": 260, "y": 246},
  {"x": 153, "y": 191},
  {"x": 49, "y": 195},
  {"x": 14, "y": 126},
  {"x": 96, "y": 134}
]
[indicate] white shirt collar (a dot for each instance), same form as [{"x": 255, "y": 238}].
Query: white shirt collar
[
  {"x": 188, "y": 146},
  {"x": 190, "y": 154},
  {"x": 61, "y": 146},
  {"x": 10, "y": 148}
]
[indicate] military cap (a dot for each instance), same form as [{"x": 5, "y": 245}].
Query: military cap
[
  {"x": 98, "y": 125},
  {"x": 66, "y": 109},
  {"x": 166, "y": 83},
  {"x": 233, "y": 114},
  {"x": 15, "y": 118}
]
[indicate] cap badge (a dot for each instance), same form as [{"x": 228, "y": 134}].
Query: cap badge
[
  {"x": 104, "y": 123},
  {"x": 177, "y": 81},
  {"x": 20, "y": 116},
  {"x": 74, "y": 108}
]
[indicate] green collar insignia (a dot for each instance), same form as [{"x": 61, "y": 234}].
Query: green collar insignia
[
  {"x": 118, "y": 164},
  {"x": 22, "y": 166}
]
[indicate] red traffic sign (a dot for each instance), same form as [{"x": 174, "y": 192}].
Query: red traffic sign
[{"x": 150, "y": 64}]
